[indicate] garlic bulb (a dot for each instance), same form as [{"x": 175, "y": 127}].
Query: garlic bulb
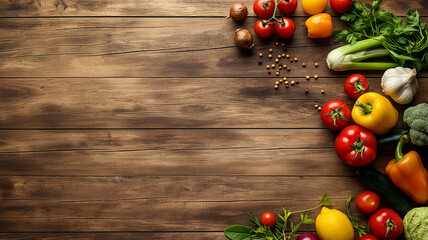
[{"x": 400, "y": 84}]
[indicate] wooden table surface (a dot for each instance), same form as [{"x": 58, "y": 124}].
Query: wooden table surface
[{"x": 142, "y": 120}]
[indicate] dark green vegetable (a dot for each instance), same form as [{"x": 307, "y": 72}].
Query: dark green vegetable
[
  {"x": 416, "y": 118},
  {"x": 406, "y": 42},
  {"x": 381, "y": 184}
]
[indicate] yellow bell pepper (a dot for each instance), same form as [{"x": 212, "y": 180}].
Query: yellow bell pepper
[
  {"x": 375, "y": 112},
  {"x": 319, "y": 26}
]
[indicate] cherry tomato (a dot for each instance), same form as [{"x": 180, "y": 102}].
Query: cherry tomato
[
  {"x": 263, "y": 31},
  {"x": 386, "y": 224},
  {"x": 285, "y": 28},
  {"x": 262, "y": 11},
  {"x": 335, "y": 114},
  {"x": 268, "y": 218},
  {"x": 356, "y": 85},
  {"x": 368, "y": 202},
  {"x": 341, "y": 6},
  {"x": 356, "y": 146},
  {"x": 287, "y": 6},
  {"x": 368, "y": 237}
]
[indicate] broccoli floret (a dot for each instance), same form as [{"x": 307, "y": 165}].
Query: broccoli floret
[{"x": 417, "y": 119}]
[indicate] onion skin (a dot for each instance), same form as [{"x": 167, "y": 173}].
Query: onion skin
[
  {"x": 238, "y": 12},
  {"x": 243, "y": 39}
]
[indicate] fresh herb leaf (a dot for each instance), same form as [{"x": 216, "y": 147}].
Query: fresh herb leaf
[
  {"x": 325, "y": 201},
  {"x": 360, "y": 228},
  {"x": 238, "y": 232}
]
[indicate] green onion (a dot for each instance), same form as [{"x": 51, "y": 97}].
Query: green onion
[{"x": 349, "y": 57}]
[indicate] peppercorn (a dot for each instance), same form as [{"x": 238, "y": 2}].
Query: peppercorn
[
  {"x": 293, "y": 82},
  {"x": 297, "y": 81},
  {"x": 276, "y": 86},
  {"x": 282, "y": 44},
  {"x": 285, "y": 77},
  {"x": 286, "y": 85},
  {"x": 273, "y": 65},
  {"x": 291, "y": 60},
  {"x": 277, "y": 60},
  {"x": 277, "y": 43},
  {"x": 316, "y": 64},
  {"x": 277, "y": 73},
  {"x": 270, "y": 50},
  {"x": 295, "y": 59},
  {"x": 316, "y": 106},
  {"x": 303, "y": 64},
  {"x": 260, "y": 54},
  {"x": 280, "y": 67},
  {"x": 280, "y": 80},
  {"x": 287, "y": 56},
  {"x": 307, "y": 77},
  {"x": 283, "y": 55},
  {"x": 319, "y": 108},
  {"x": 269, "y": 72},
  {"x": 276, "y": 82},
  {"x": 315, "y": 76},
  {"x": 277, "y": 70},
  {"x": 284, "y": 66},
  {"x": 322, "y": 91},
  {"x": 306, "y": 91},
  {"x": 288, "y": 69},
  {"x": 267, "y": 66},
  {"x": 270, "y": 56},
  {"x": 286, "y": 82},
  {"x": 279, "y": 56}
]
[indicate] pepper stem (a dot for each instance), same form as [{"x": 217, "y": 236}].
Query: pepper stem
[
  {"x": 399, "y": 150},
  {"x": 366, "y": 108}
]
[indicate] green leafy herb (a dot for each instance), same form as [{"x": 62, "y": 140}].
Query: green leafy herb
[
  {"x": 360, "y": 228},
  {"x": 284, "y": 229},
  {"x": 406, "y": 42}
]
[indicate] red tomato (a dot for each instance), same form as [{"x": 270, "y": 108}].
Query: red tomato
[
  {"x": 341, "y": 6},
  {"x": 356, "y": 85},
  {"x": 335, "y": 114},
  {"x": 264, "y": 8},
  {"x": 386, "y": 224},
  {"x": 356, "y": 146},
  {"x": 268, "y": 218},
  {"x": 368, "y": 202},
  {"x": 287, "y": 6},
  {"x": 285, "y": 28},
  {"x": 263, "y": 31},
  {"x": 368, "y": 237}
]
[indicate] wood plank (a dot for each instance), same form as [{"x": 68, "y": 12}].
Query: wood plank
[
  {"x": 191, "y": 203},
  {"x": 149, "y": 48},
  {"x": 41, "y": 8},
  {"x": 170, "y": 102},
  {"x": 115, "y": 236},
  {"x": 175, "y": 152}
]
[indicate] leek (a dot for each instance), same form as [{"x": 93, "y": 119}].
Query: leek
[{"x": 349, "y": 57}]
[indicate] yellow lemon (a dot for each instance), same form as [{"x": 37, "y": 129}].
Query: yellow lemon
[
  {"x": 332, "y": 224},
  {"x": 313, "y": 7}
]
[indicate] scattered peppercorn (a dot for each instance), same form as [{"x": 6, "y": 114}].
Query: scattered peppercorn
[
  {"x": 279, "y": 56},
  {"x": 285, "y": 77},
  {"x": 276, "y": 82},
  {"x": 295, "y": 59},
  {"x": 282, "y": 44},
  {"x": 273, "y": 65},
  {"x": 316, "y": 76},
  {"x": 306, "y": 91},
  {"x": 270, "y": 56},
  {"x": 288, "y": 69},
  {"x": 316, "y": 106},
  {"x": 284, "y": 66},
  {"x": 269, "y": 72},
  {"x": 260, "y": 54},
  {"x": 293, "y": 82},
  {"x": 286, "y": 85},
  {"x": 277, "y": 70},
  {"x": 291, "y": 60},
  {"x": 322, "y": 91},
  {"x": 287, "y": 56},
  {"x": 270, "y": 50},
  {"x": 277, "y": 60},
  {"x": 280, "y": 80},
  {"x": 303, "y": 64},
  {"x": 277, "y": 43},
  {"x": 276, "y": 86},
  {"x": 307, "y": 77},
  {"x": 316, "y": 64},
  {"x": 267, "y": 66},
  {"x": 283, "y": 55},
  {"x": 277, "y": 73},
  {"x": 280, "y": 67},
  {"x": 286, "y": 82},
  {"x": 297, "y": 81},
  {"x": 319, "y": 108}
]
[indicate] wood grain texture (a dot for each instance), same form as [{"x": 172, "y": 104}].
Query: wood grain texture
[
  {"x": 176, "y": 203},
  {"x": 41, "y": 8},
  {"x": 170, "y": 102},
  {"x": 149, "y": 48}
]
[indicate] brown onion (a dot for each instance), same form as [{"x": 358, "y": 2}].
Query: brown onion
[
  {"x": 238, "y": 12},
  {"x": 243, "y": 39}
]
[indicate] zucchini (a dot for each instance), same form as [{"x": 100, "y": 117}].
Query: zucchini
[
  {"x": 390, "y": 140},
  {"x": 381, "y": 184}
]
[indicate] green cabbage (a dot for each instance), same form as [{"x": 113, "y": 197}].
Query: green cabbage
[{"x": 416, "y": 224}]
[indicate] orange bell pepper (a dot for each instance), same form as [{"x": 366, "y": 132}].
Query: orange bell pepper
[
  {"x": 319, "y": 26},
  {"x": 408, "y": 173}
]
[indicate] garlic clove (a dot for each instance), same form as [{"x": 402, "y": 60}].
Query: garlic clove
[{"x": 400, "y": 84}]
